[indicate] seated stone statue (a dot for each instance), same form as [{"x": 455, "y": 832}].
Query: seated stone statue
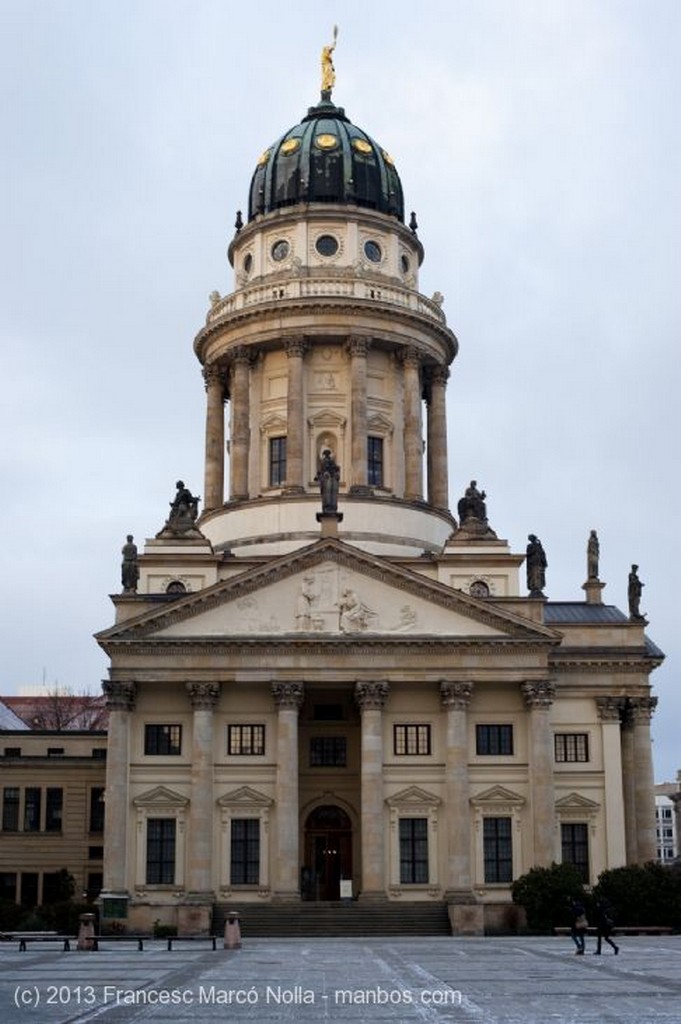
[{"x": 472, "y": 505}]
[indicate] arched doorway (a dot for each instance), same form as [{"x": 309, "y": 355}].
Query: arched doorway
[{"x": 328, "y": 853}]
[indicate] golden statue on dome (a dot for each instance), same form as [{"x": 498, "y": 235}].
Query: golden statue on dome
[{"x": 328, "y": 70}]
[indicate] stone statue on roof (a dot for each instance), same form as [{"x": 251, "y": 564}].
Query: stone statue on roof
[
  {"x": 536, "y": 565},
  {"x": 592, "y": 554},
  {"x": 130, "y": 572},
  {"x": 634, "y": 592}
]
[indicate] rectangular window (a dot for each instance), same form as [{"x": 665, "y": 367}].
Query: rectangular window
[
  {"x": 328, "y": 752},
  {"x": 497, "y": 850},
  {"x": 375, "y": 461},
  {"x": 95, "y": 883},
  {"x": 413, "y": 851},
  {"x": 10, "y": 809},
  {"x": 32, "y": 809},
  {"x": 53, "y": 886},
  {"x": 54, "y": 805},
  {"x": 99, "y": 753},
  {"x": 12, "y": 751},
  {"x": 494, "y": 740},
  {"x": 8, "y": 886},
  {"x": 160, "y": 851},
  {"x": 571, "y": 746},
  {"x": 55, "y": 751},
  {"x": 246, "y": 739},
  {"x": 95, "y": 853},
  {"x": 162, "y": 739},
  {"x": 28, "y": 896},
  {"x": 574, "y": 839},
  {"x": 411, "y": 739},
  {"x": 245, "y": 851},
  {"x": 96, "y": 809},
  {"x": 277, "y": 461}
]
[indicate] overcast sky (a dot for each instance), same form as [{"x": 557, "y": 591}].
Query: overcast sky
[{"x": 538, "y": 143}]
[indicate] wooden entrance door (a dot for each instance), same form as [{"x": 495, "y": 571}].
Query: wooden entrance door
[{"x": 328, "y": 853}]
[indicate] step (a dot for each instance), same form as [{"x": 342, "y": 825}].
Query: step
[{"x": 335, "y": 919}]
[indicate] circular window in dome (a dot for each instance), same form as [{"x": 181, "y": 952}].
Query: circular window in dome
[
  {"x": 264, "y": 158},
  {"x": 404, "y": 264},
  {"x": 388, "y": 159},
  {"x": 372, "y": 251},
  {"x": 290, "y": 146},
  {"x": 326, "y": 245},
  {"x": 361, "y": 146},
  {"x": 326, "y": 141},
  {"x": 280, "y": 250}
]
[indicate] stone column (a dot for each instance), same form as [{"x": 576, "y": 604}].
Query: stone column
[
  {"x": 120, "y": 701},
  {"x": 413, "y": 442},
  {"x": 371, "y": 698},
  {"x": 288, "y": 697},
  {"x": 438, "y": 478},
  {"x": 609, "y": 712},
  {"x": 641, "y": 712},
  {"x": 203, "y": 698},
  {"x": 240, "y": 439},
  {"x": 629, "y": 786},
  {"x": 214, "y": 481},
  {"x": 358, "y": 349},
  {"x": 295, "y": 426},
  {"x": 538, "y": 697},
  {"x": 456, "y": 698}
]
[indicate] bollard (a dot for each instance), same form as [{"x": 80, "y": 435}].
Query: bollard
[
  {"x": 86, "y": 933},
  {"x": 232, "y": 931}
]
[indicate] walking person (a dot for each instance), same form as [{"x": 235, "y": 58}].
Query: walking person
[
  {"x": 604, "y": 926},
  {"x": 579, "y": 926}
]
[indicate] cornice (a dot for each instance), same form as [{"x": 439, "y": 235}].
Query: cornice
[{"x": 512, "y": 626}]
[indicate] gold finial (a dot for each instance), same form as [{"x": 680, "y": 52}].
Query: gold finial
[{"x": 328, "y": 70}]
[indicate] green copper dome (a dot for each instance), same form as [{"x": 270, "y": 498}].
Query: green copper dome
[{"x": 326, "y": 159}]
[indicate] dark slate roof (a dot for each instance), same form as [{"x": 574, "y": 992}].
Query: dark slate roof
[
  {"x": 326, "y": 159},
  {"x": 652, "y": 650},
  {"x": 567, "y": 612}
]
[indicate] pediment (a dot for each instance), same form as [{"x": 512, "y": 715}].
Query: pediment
[
  {"x": 160, "y": 797},
  {"x": 413, "y": 797},
  {"x": 498, "y": 796},
  {"x": 329, "y": 589},
  {"x": 244, "y": 797},
  {"x": 575, "y": 802}
]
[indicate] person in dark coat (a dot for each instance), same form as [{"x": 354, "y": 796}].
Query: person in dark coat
[
  {"x": 604, "y": 926},
  {"x": 579, "y": 926}
]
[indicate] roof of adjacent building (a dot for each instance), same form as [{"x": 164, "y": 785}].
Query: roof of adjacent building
[
  {"x": 9, "y": 719},
  {"x": 326, "y": 159}
]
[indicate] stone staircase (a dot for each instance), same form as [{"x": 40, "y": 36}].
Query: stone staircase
[{"x": 334, "y": 919}]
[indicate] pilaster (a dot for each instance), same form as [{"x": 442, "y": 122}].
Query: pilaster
[
  {"x": 538, "y": 696},
  {"x": 288, "y": 698},
  {"x": 120, "y": 701},
  {"x": 203, "y": 697},
  {"x": 214, "y": 480},
  {"x": 609, "y": 712},
  {"x": 371, "y": 698},
  {"x": 358, "y": 348},
  {"x": 295, "y": 347}
]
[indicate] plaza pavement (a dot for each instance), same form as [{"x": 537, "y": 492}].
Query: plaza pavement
[{"x": 427, "y": 980}]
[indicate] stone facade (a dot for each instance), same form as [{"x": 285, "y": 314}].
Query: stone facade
[{"x": 370, "y": 706}]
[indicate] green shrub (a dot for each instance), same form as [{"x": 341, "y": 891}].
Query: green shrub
[
  {"x": 645, "y": 894},
  {"x": 10, "y": 915},
  {"x": 164, "y": 931},
  {"x": 546, "y": 895}
]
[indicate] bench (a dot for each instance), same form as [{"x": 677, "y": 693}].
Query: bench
[
  {"x": 627, "y": 929},
  {"x": 24, "y": 937}
]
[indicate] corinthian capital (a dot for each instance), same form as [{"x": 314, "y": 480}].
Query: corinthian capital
[
  {"x": 288, "y": 695},
  {"x": 358, "y": 345},
  {"x": 411, "y": 357},
  {"x": 439, "y": 375},
  {"x": 455, "y": 695},
  {"x": 641, "y": 709},
  {"x": 371, "y": 696},
  {"x": 213, "y": 374},
  {"x": 295, "y": 345},
  {"x": 609, "y": 708},
  {"x": 539, "y": 693},
  {"x": 203, "y": 696},
  {"x": 119, "y": 696}
]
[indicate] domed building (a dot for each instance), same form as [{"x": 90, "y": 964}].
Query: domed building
[{"x": 327, "y": 684}]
